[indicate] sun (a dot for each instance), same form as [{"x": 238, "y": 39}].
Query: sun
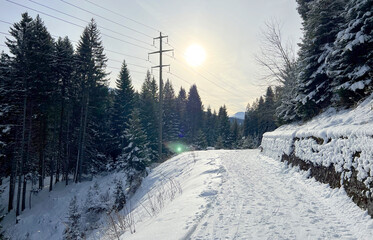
[{"x": 195, "y": 55}]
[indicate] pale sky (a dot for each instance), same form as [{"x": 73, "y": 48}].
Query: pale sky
[{"x": 229, "y": 31}]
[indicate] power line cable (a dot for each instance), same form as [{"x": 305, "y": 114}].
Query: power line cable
[
  {"x": 107, "y": 50},
  {"x": 109, "y": 20},
  {"x": 80, "y": 61},
  {"x": 77, "y": 25},
  {"x": 85, "y": 21},
  {"x": 121, "y": 15},
  {"x": 200, "y": 89}
]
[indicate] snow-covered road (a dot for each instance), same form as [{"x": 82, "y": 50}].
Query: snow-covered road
[
  {"x": 260, "y": 199},
  {"x": 245, "y": 195}
]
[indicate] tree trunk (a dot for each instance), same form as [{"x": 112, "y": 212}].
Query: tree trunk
[
  {"x": 67, "y": 150},
  {"x": 26, "y": 161},
  {"x": 21, "y": 157},
  {"x": 79, "y": 141},
  {"x": 41, "y": 154},
  {"x": 12, "y": 182},
  {"x": 24, "y": 192},
  {"x": 84, "y": 138}
]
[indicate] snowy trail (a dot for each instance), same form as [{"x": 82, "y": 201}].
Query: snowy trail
[
  {"x": 245, "y": 195},
  {"x": 261, "y": 199}
]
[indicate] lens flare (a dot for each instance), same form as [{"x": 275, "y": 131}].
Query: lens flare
[{"x": 176, "y": 147}]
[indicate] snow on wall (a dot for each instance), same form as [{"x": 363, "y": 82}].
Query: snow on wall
[{"x": 342, "y": 139}]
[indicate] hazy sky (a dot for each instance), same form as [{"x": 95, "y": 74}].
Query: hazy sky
[{"x": 229, "y": 31}]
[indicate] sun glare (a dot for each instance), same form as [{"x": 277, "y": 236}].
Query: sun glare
[{"x": 195, "y": 55}]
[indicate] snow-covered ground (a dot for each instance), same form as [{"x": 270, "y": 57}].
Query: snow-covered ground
[
  {"x": 245, "y": 195},
  {"x": 217, "y": 195}
]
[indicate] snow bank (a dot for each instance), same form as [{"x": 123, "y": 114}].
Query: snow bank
[
  {"x": 199, "y": 176},
  {"x": 49, "y": 210},
  {"x": 341, "y": 139}
]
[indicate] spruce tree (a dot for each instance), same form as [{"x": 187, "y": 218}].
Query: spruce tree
[
  {"x": 72, "y": 230},
  {"x": 194, "y": 113},
  {"x": 64, "y": 68},
  {"x": 350, "y": 62},
  {"x": 320, "y": 24},
  {"x": 235, "y": 135},
  {"x": 122, "y": 108},
  {"x": 136, "y": 155},
  {"x": 32, "y": 51},
  {"x": 120, "y": 198},
  {"x": 224, "y": 127},
  {"x": 94, "y": 95},
  {"x": 210, "y": 127},
  {"x": 181, "y": 102},
  {"x": 171, "y": 123},
  {"x": 201, "y": 141},
  {"x": 149, "y": 113},
  {"x": 268, "y": 114}
]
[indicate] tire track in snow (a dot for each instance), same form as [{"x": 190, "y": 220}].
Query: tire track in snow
[{"x": 261, "y": 199}]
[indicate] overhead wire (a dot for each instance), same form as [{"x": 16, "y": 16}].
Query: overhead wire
[
  {"x": 109, "y": 20},
  {"x": 85, "y": 21},
  {"x": 199, "y": 88},
  {"x": 107, "y": 50},
  {"x": 121, "y": 15},
  {"x": 80, "y": 61},
  {"x": 77, "y": 25}
]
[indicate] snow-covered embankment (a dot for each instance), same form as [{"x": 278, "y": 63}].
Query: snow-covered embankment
[{"x": 337, "y": 149}]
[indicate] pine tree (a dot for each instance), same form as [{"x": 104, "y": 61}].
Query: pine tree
[
  {"x": 10, "y": 106},
  {"x": 224, "y": 127},
  {"x": 210, "y": 127},
  {"x": 120, "y": 198},
  {"x": 321, "y": 23},
  {"x": 194, "y": 113},
  {"x": 122, "y": 108},
  {"x": 268, "y": 115},
  {"x": 219, "y": 143},
  {"x": 235, "y": 135},
  {"x": 181, "y": 103},
  {"x": 171, "y": 125},
  {"x": 201, "y": 141},
  {"x": 32, "y": 51},
  {"x": 350, "y": 62},
  {"x": 72, "y": 230},
  {"x": 287, "y": 104},
  {"x": 94, "y": 95},
  {"x": 64, "y": 69},
  {"x": 149, "y": 113},
  {"x": 136, "y": 156}
]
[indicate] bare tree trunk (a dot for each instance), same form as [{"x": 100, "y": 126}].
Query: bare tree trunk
[
  {"x": 84, "y": 138},
  {"x": 24, "y": 192},
  {"x": 41, "y": 154},
  {"x": 60, "y": 135},
  {"x": 26, "y": 161},
  {"x": 12, "y": 182},
  {"x": 67, "y": 150},
  {"x": 21, "y": 158},
  {"x": 79, "y": 141}
]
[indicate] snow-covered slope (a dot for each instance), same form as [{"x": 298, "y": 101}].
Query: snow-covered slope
[
  {"x": 244, "y": 195},
  {"x": 48, "y": 215},
  {"x": 211, "y": 195}
]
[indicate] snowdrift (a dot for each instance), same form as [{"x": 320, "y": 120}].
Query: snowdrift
[{"x": 336, "y": 147}]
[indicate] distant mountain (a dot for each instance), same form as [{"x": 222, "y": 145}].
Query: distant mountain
[
  {"x": 239, "y": 115},
  {"x": 239, "y": 121}
]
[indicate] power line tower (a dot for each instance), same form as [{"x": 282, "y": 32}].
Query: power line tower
[{"x": 160, "y": 66}]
